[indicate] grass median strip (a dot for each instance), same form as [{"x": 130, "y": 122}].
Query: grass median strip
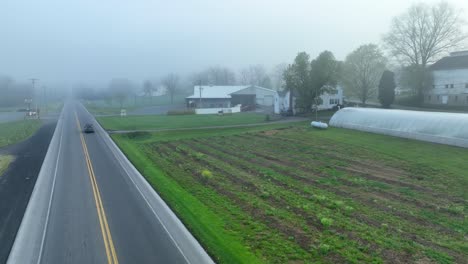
[
  {"x": 5, "y": 161},
  {"x": 293, "y": 194},
  {"x": 14, "y": 132}
]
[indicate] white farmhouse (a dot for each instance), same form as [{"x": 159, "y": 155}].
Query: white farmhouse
[
  {"x": 450, "y": 81},
  {"x": 328, "y": 100}
]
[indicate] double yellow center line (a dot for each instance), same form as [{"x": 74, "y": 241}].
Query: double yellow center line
[{"x": 106, "y": 234}]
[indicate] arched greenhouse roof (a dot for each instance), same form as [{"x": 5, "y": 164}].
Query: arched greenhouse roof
[{"x": 438, "y": 127}]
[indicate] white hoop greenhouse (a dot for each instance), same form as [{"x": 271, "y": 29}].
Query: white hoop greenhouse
[{"x": 438, "y": 127}]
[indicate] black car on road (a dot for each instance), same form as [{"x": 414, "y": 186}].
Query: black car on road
[{"x": 88, "y": 128}]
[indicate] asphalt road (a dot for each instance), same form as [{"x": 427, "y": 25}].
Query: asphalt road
[
  {"x": 17, "y": 183},
  {"x": 97, "y": 214}
]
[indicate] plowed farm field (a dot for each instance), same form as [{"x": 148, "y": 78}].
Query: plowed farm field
[{"x": 298, "y": 195}]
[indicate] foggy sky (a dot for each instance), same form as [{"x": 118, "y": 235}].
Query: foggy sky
[{"x": 96, "y": 40}]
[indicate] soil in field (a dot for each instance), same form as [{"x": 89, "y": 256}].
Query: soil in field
[{"x": 298, "y": 195}]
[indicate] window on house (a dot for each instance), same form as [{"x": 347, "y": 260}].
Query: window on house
[
  {"x": 467, "y": 99},
  {"x": 438, "y": 97},
  {"x": 451, "y": 85},
  {"x": 428, "y": 97},
  {"x": 466, "y": 85},
  {"x": 433, "y": 86},
  {"x": 446, "y": 86},
  {"x": 456, "y": 98}
]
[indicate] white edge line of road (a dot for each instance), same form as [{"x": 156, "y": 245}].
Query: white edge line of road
[
  {"x": 28, "y": 244},
  {"x": 188, "y": 246}
]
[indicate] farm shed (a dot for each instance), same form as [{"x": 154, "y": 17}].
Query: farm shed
[
  {"x": 227, "y": 96},
  {"x": 443, "y": 128}
]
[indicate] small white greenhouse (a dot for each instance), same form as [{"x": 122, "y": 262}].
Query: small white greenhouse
[{"x": 438, "y": 127}]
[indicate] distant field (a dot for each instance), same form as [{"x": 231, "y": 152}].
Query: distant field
[
  {"x": 112, "y": 107},
  {"x": 54, "y": 107},
  {"x": 9, "y": 109},
  {"x": 13, "y": 132},
  {"x": 182, "y": 121},
  {"x": 293, "y": 194}
]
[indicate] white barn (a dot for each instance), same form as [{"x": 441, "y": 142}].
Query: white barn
[
  {"x": 450, "y": 81},
  {"x": 209, "y": 96},
  {"x": 328, "y": 100}
]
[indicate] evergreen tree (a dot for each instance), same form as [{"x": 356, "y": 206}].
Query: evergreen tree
[{"x": 387, "y": 89}]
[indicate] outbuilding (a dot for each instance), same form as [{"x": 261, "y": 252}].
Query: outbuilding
[
  {"x": 329, "y": 100},
  {"x": 249, "y": 96}
]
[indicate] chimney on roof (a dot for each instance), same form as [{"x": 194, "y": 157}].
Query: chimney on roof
[{"x": 459, "y": 53}]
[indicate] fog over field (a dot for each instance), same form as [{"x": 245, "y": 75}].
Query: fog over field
[{"x": 94, "y": 41}]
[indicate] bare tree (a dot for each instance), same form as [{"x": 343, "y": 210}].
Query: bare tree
[
  {"x": 362, "y": 70},
  {"x": 215, "y": 75},
  {"x": 255, "y": 75},
  {"x": 121, "y": 89},
  {"x": 277, "y": 75},
  {"x": 423, "y": 34},
  {"x": 148, "y": 89},
  {"x": 171, "y": 82}
]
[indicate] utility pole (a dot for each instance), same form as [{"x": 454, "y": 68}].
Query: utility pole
[
  {"x": 45, "y": 98},
  {"x": 33, "y": 82},
  {"x": 316, "y": 104}
]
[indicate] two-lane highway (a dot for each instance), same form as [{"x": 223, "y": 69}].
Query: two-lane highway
[{"x": 98, "y": 211}]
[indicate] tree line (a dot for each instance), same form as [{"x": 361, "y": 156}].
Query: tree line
[
  {"x": 416, "y": 39},
  {"x": 13, "y": 93},
  {"x": 172, "y": 84}
]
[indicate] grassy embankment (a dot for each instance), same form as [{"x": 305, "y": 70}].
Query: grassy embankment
[
  {"x": 274, "y": 195},
  {"x": 5, "y": 160},
  {"x": 148, "y": 122},
  {"x": 13, "y": 132}
]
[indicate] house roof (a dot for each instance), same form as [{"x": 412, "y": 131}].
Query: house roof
[
  {"x": 220, "y": 92},
  {"x": 455, "y": 61},
  {"x": 208, "y": 91},
  {"x": 282, "y": 93},
  {"x": 251, "y": 90}
]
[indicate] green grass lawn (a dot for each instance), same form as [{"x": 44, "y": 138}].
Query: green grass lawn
[
  {"x": 112, "y": 107},
  {"x": 288, "y": 193},
  {"x": 13, "y": 132},
  {"x": 5, "y": 160},
  {"x": 183, "y": 121}
]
